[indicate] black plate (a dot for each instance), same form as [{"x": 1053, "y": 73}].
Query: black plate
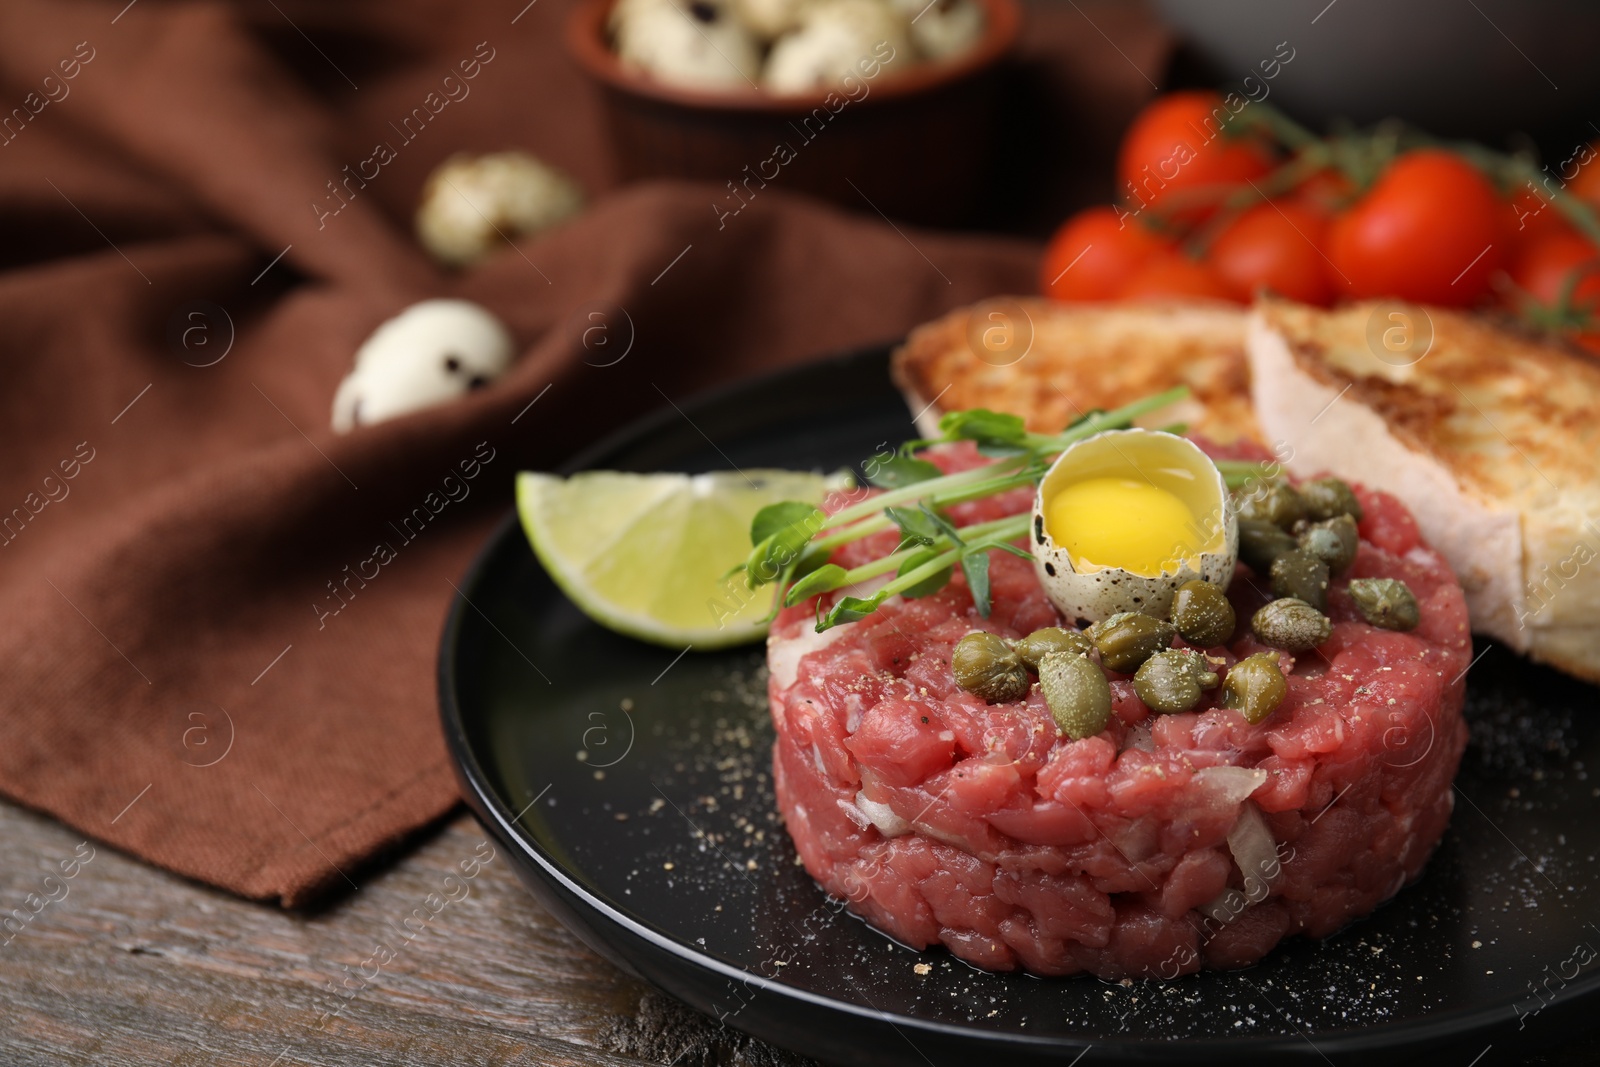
[{"x": 651, "y": 831}]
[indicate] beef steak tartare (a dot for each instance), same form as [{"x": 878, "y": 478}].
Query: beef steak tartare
[{"x": 1161, "y": 845}]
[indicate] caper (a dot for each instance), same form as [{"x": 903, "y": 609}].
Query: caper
[
  {"x": 1202, "y": 614},
  {"x": 1276, "y": 502},
  {"x": 1328, "y": 498},
  {"x": 1387, "y": 603},
  {"x": 1303, "y": 576},
  {"x": 1260, "y": 542},
  {"x": 1127, "y": 639},
  {"x": 1172, "y": 681},
  {"x": 1042, "y": 642},
  {"x": 1291, "y": 624},
  {"x": 985, "y": 666},
  {"x": 1256, "y": 686},
  {"x": 1334, "y": 541},
  {"x": 1077, "y": 693}
]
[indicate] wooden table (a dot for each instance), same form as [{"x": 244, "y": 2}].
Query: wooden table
[{"x": 134, "y": 966}]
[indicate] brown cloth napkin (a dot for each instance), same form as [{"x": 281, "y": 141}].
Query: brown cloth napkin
[{"x": 175, "y": 316}]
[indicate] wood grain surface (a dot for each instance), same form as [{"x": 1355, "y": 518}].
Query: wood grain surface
[{"x": 129, "y": 965}]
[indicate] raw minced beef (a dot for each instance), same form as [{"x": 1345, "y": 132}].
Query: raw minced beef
[{"x": 1165, "y": 843}]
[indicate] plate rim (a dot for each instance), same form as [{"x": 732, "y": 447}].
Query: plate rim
[{"x": 498, "y": 817}]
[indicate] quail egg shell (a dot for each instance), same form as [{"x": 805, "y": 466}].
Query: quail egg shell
[
  {"x": 432, "y": 352},
  {"x": 1125, "y": 517}
]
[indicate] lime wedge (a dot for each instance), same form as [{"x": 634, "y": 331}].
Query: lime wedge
[{"x": 647, "y": 554}]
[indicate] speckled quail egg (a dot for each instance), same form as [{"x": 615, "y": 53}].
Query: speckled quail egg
[
  {"x": 472, "y": 204},
  {"x": 431, "y": 352},
  {"x": 1124, "y": 518},
  {"x": 942, "y": 29},
  {"x": 833, "y": 40},
  {"x": 696, "y": 44}
]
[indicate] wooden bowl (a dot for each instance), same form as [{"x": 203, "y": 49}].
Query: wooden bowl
[{"x": 917, "y": 146}]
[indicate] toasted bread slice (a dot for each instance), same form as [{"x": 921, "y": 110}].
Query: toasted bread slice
[
  {"x": 1051, "y": 363},
  {"x": 1490, "y": 437}
]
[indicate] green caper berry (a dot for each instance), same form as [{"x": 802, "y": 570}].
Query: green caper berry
[
  {"x": 1387, "y": 603},
  {"x": 1202, "y": 614},
  {"x": 1172, "y": 681},
  {"x": 1128, "y": 639},
  {"x": 1076, "y": 692},
  {"x": 1042, "y": 642},
  {"x": 1303, "y": 576},
  {"x": 985, "y": 666},
  {"x": 1328, "y": 498},
  {"x": 1291, "y": 624},
  {"x": 1260, "y": 542},
  {"x": 1276, "y": 502},
  {"x": 1334, "y": 541},
  {"x": 1255, "y": 686}
]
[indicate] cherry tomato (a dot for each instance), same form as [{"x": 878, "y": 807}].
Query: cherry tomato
[
  {"x": 1277, "y": 247},
  {"x": 1431, "y": 229},
  {"x": 1531, "y": 216},
  {"x": 1582, "y": 173},
  {"x": 1175, "y": 160},
  {"x": 1543, "y": 268},
  {"x": 1326, "y": 192},
  {"x": 1094, "y": 254},
  {"x": 1171, "y": 276},
  {"x": 1546, "y": 267}
]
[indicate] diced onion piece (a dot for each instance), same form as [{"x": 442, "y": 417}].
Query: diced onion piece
[
  {"x": 1231, "y": 784},
  {"x": 1256, "y": 855},
  {"x": 882, "y": 816},
  {"x": 854, "y": 814}
]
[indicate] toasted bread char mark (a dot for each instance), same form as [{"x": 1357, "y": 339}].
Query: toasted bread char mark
[
  {"x": 1490, "y": 438},
  {"x": 1304, "y": 406},
  {"x": 1081, "y": 357}
]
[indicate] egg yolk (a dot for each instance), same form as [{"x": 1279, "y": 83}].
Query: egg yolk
[{"x": 1122, "y": 523}]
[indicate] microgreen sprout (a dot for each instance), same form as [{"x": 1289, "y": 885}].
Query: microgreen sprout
[{"x": 792, "y": 541}]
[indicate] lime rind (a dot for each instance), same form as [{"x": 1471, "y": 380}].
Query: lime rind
[{"x": 646, "y": 554}]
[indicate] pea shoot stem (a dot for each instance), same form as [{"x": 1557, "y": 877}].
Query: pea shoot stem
[
  {"x": 1040, "y": 446},
  {"x": 1008, "y": 528},
  {"x": 928, "y": 492},
  {"x": 1238, "y": 473}
]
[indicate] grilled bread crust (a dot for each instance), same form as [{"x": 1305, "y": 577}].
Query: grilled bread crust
[
  {"x": 1490, "y": 435},
  {"x": 1052, "y": 363}
]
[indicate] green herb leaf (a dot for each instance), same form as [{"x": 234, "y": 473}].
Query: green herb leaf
[
  {"x": 983, "y": 426},
  {"x": 776, "y": 517},
  {"x": 810, "y": 559},
  {"x": 928, "y": 586},
  {"x": 944, "y": 525},
  {"x": 824, "y": 579},
  {"x": 786, "y": 528},
  {"x": 850, "y": 609},
  {"x": 975, "y": 565},
  {"x": 901, "y": 470},
  {"x": 916, "y": 527}
]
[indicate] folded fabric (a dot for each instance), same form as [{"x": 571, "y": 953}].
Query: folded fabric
[{"x": 203, "y": 663}]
